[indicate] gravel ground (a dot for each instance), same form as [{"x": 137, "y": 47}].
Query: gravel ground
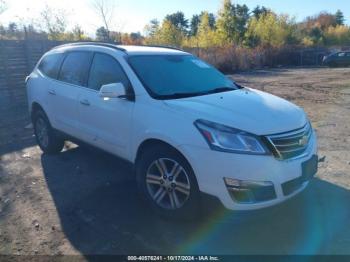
[{"x": 84, "y": 201}]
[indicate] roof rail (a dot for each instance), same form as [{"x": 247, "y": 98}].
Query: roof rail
[
  {"x": 92, "y": 43},
  {"x": 165, "y": 46}
]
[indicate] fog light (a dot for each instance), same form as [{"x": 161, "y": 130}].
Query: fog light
[
  {"x": 232, "y": 182},
  {"x": 244, "y": 191}
]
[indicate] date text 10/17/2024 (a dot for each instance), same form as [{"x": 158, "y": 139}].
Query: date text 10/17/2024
[{"x": 173, "y": 258}]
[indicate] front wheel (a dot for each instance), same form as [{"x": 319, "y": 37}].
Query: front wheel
[{"x": 168, "y": 183}]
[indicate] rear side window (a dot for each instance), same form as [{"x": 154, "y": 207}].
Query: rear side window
[
  {"x": 106, "y": 70},
  {"x": 75, "y": 68},
  {"x": 50, "y": 65}
]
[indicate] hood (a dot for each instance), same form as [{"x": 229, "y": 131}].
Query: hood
[{"x": 247, "y": 109}]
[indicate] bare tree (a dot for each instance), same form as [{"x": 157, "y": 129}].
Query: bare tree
[
  {"x": 54, "y": 21},
  {"x": 105, "y": 11},
  {"x": 78, "y": 33}
]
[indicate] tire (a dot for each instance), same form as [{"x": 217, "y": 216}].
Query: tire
[
  {"x": 159, "y": 191},
  {"x": 48, "y": 141}
]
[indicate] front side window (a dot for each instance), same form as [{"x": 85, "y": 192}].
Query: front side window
[
  {"x": 177, "y": 76},
  {"x": 75, "y": 68},
  {"x": 106, "y": 70},
  {"x": 341, "y": 54},
  {"x": 50, "y": 65}
]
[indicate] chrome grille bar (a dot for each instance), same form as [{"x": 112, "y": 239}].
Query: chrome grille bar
[{"x": 292, "y": 144}]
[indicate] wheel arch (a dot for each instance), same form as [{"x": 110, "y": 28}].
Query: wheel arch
[
  {"x": 152, "y": 142},
  {"x": 35, "y": 107}
]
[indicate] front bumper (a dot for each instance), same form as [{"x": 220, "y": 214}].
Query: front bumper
[{"x": 211, "y": 167}]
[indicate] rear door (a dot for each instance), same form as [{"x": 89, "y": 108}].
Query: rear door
[
  {"x": 72, "y": 77},
  {"x": 49, "y": 67},
  {"x": 106, "y": 122}
]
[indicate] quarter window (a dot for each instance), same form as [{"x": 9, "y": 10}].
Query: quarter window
[
  {"x": 75, "y": 68},
  {"x": 50, "y": 65},
  {"x": 106, "y": 70}
]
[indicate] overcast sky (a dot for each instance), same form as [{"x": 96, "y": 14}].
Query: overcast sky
[{"x": 132, "y": 15}]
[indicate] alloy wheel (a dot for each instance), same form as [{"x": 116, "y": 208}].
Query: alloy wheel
[{"x": 168, "y": 183}]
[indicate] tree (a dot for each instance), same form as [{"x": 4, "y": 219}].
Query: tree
[
  {"x": 12, "y": 31},
  {"x": 178, "y": 20},
  {"x": 132, "y": 38},
  {"x": 151, "y": 28},
  {"x": 242, "y": 17},
  {"x": 259, "y": 11},
  {"x": 30, "y": 32},
  {"x": 270, "y": 30},
  {"x": 2, "y": 30},
  {"x": 169, "y": 34},
  {"x": 12, "y": 28},
  {"x": 313, "y": 28},
  {"x": 226, "y": 22},
  {"x": 212, "y": 20},
  {"x": 206, "y": 36},
  {"x": 323, "y": 20},
  {"x": 136, "y": 38},
  {"x": 337, "y": 35},
  {"x": 54, "y": 21},
  {"x": 78, "y": 33},
  {"x": 195, "y": 20},
  {"x": 339, "y": 17},
  {"x": 102, "y": 34},
  {"x": 115, "y": 36},
  {"x": 105, "y": 11},
  {"x": 232, "y": 21}
]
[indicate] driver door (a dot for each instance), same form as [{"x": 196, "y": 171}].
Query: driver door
[{"x": 105, "y": 122}]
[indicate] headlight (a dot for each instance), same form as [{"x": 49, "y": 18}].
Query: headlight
[{"x": 223, "y": 138}]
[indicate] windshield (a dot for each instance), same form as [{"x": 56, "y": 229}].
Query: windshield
[{"x": 176, "y": 76}]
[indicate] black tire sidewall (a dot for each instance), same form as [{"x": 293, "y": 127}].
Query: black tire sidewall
[
  {"x": 55, "y": 144},
  {"x": 191, "y": 207}
]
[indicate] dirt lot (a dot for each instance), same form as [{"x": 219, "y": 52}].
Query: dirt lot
[{"x": 84, "y": 201}]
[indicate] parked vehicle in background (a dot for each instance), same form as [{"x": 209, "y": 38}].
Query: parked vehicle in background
[
  {"x": 337, "y": 59},
  {"x": 189, "y": 130}
]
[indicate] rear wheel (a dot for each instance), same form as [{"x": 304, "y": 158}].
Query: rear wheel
[
  {"x": 48, "y": 141},
  {"x": 167, "y": 183}
]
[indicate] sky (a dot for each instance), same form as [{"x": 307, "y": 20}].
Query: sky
[{"x": 132, "y": 15}]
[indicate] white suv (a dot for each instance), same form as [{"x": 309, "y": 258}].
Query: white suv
[{"x": 189, "y": 130}]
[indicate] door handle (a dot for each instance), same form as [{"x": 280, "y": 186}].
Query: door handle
[
  {"x": 52, "y": 92},
  {"x": 85, "y": 102}
]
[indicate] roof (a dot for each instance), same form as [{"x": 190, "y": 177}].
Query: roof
[
  {"x": 133, "y": 49},
  {"x": 128, "y": 49}
]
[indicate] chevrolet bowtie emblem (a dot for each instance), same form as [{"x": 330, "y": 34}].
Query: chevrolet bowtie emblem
[{"x": 303, "y": 141}]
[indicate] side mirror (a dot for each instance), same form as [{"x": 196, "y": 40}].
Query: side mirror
[{"x": 114, "y": 90}]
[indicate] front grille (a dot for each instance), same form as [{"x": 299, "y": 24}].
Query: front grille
[{"x": 290, "y": 144}]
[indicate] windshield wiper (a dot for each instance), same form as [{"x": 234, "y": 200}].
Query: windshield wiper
[
  {"x": 184, "y": 95},
  {"x": 219, "y": 90},
  {"x": 179, "y": 95}
]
